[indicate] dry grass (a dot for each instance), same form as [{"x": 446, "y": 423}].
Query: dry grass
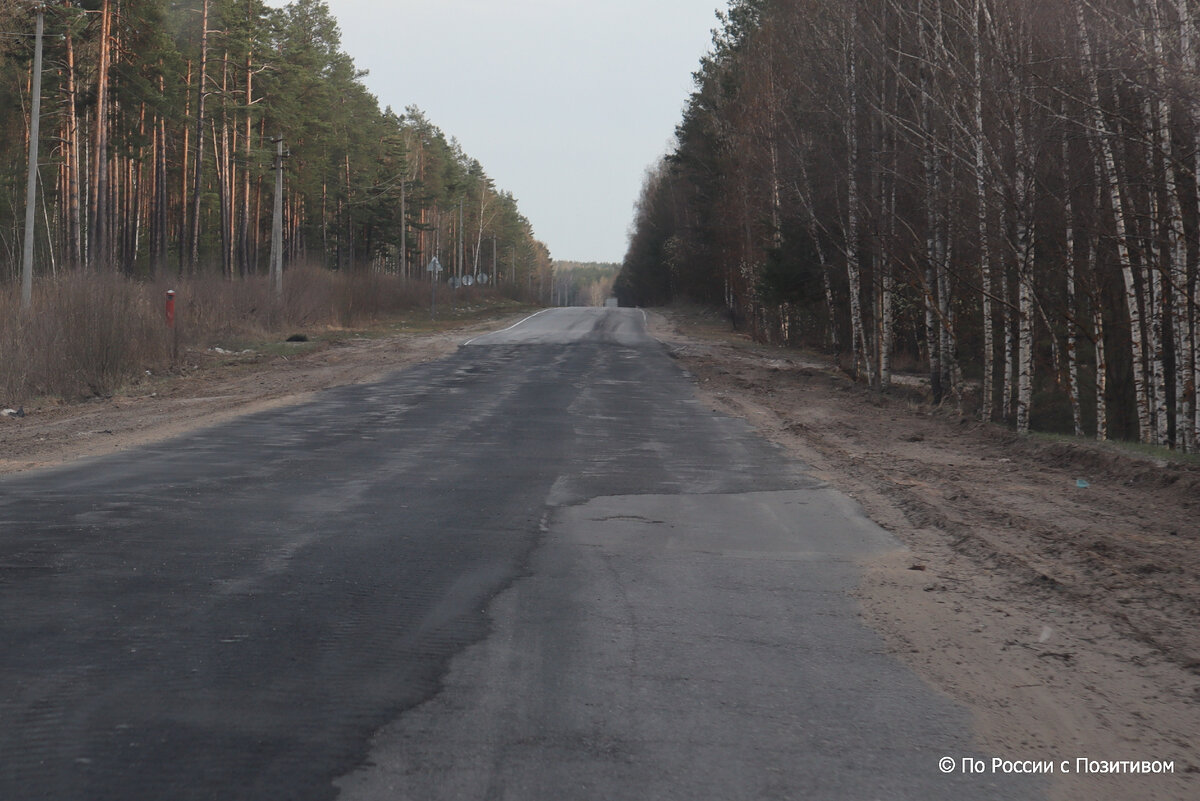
[{"x": 89, "y": 334}]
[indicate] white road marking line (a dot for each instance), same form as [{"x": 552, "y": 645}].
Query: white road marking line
[{"x": 511, "y": 327}]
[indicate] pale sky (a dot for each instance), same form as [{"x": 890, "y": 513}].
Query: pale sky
[{"x": 564, "y": 102}]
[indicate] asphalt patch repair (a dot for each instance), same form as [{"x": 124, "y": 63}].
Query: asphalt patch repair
[{"x": 1065, "y": 618}]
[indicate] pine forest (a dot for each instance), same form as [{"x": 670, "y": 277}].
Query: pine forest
[
  {"x": 160, "y": 119},
  {"x": 161, "y": 124},
  {"x": 1002, "y": 196}
]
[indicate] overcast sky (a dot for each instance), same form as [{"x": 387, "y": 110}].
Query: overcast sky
[{"x": 564, "y": 102}]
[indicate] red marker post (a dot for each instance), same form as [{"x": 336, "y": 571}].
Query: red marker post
[{"x": 171, "y": 325}]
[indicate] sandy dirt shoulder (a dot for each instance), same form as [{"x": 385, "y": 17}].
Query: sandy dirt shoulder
[
  {"x": 1067, "y": 619},
  {"x": 210, "y": 386}
]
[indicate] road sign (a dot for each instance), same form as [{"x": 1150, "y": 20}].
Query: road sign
[
  {"x": 483, "y": 279},
  {"x": 434, "y": 268},
  {"x": 467, "y": 280}
]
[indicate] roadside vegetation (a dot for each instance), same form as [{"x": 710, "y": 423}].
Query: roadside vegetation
[
  {"x": 1003, "y": 193},
  {"x": 90, "y": 335},
  {"x": 156, "y": 171}
]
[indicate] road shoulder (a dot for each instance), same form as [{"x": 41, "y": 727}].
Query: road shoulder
[
  {"x": 213, "y": 386},
  {"x": 1064, "y": 618},
  {"x": 682, "y": 646}
]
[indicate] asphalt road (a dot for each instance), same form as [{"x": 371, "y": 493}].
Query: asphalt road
[{"x": 537, "y": 569}]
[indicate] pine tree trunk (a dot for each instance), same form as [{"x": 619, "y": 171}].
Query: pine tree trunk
[
  {"x": 245, "y": 264},
  {"x": 138, "y": 200},
  {"x": 74, "y": 214},
  {"x": 224, "y": 198},
  {"x": 349, "y": 218},
  {"x": 158, "y": 218},
  {"x": 198, "y": 170},
  {"x": 223, "y": 152},
  {"x": 98, "y": 181},
  {"x": 184, "y": 174}
]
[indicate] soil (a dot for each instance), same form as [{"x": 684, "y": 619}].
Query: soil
[{"x": 1052, "y": 587}]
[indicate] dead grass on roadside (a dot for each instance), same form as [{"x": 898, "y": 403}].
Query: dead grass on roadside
[{"x": 87, "y": 335}]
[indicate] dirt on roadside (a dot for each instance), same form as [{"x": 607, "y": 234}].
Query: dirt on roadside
[
  {"x": 1052, "y": 587},
  {"x": 213, "y": 385}
]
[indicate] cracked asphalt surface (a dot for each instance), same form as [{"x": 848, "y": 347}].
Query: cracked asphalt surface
[{"x": 538, "y": 568}]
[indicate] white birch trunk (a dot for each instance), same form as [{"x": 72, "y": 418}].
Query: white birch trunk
[
  {"x": 852, "y": 202},
  {"x": 1110, "y": 180},
  {"x": 1025, "y": 302},
  {"x": 1177, "y": 251},
  {"x": 1025, "y": 351},
  {"x": 1156, "y": 312},
  {"x": 932, "y": 195},
  {"x": 1101, "y": 374},
  {"x": 1072, "y": 305},
  {"x": 888, "y": 287},
  {"x": 1101, "y": 363},
  {"x": 1010, "y": 340},
  {"x": 985, "y": 267},
  {"x": 1187, "y": 359},
  {"x": 1155, "y": 290},
  {"x": 947, "y": 341}
]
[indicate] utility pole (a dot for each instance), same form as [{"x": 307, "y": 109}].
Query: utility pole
[
  {"x": 277, "y": 224},
  {"x": 403, "y": 233},
  {"x": 35, "y": 120}
]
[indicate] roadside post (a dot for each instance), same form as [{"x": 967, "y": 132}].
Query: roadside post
[
  {"x": 433, "y": 269},
  {"x": 171, "y": 325}
]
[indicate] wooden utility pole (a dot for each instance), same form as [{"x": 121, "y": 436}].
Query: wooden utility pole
[
  {"x": 277, "y": 225},
  {"x": 35, "y": 116}
]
